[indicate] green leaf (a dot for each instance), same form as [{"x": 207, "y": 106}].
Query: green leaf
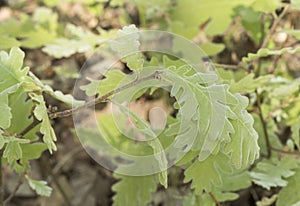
[
  {"x": 205, "y": 175},
  {"x": 193, "y": 13},
  {"x": 40, "y": 112},
  {"x": 295, "y": 128},
  {"x": 134, "y": 191},
  {"x": 295, "y": 4},
  {"x": 212, "y": 48},
  {"x": 10, "y": 68},
  {"x": 13, "y": 149},
  {"x": 248, "y": 84},
  {"x": 80, "y": 41},
  {"x": 270, "y": 174},
  {"x": 7, "y": 42},
  {"x": 126, "y": 45},
  {"x": 5, "y": 111},
  {"x": 243, "y": 146},
  {"x": 32, "y": 151},
  {"x": 66, "y": 98},
  {"x": 40, "y": 187},
  {"x": 266, "y": 52},
  {"x": 145, "y": 129},
  {"x": 290, "y": 195},
  {"x": 112, "y": 80},
  {"x": 204, "y": 112},
  {"x": 266, "y": 5}
]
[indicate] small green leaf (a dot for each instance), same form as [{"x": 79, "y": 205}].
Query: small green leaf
[
  {"x": 5, "y": 111},
  {"x": 205, "y": 175},
  {"x": 212, "y": 48},
  {"x": 270, "y": 174},
  {"x": 290, "y": 195},
  {"x": 248, "y": 84},
  {"x": 134, "y": 190},
  {"x": 266, "y": 52},
  {"x": 266, "y": 5},
  {"x": 40, "y": 112},
  {"x": 126, "y": 45},
  {"x": 13, "y": 149},
  {"x": 40, "y": 187},
  {"x": 112, "y": 80},
  {"x": 295, "y": 4},
  {"x": 243, "y": 146}
]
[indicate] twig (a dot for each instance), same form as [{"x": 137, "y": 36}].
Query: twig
[
  {"x": 230, "y": 66},
  {"x": 98, "y": 100},
  {"x": 264, "y": 125},
  {"x": 274, "y": 26},
  {"x": 214, "y": 199},
  {"x": 286, "y": 152},
  {"x": 17, "y": 187},
  {"x": 29, "y": 127}
]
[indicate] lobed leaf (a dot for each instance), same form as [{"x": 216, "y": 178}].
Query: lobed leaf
[
  {"x": 270, "y": 174},
  {"x": 40, "y": 112},
  {"x": 40, "y": 187},
  {"x": 134, "y": 190}
]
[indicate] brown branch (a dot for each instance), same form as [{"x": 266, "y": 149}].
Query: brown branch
[
  {"x": 214, "y": 199},
  {"x": 264, "y": 125},
  {"x": 231, "y": 66},
  {"x": 103, "y": 98},
  {"x": 286, "y": 152},
  {"x": 29, "y": 127},
  {"x": 274, "y": 26}
]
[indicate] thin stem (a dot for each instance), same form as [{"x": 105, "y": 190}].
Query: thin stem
[
  {"x": 29, "y": 127},
  {"x": 98, "y": 100},
  {"x": 286, "y": 152},
  {"x": 17, "y": 187},
  {"x": 230, "y": 66},
  {"x": 214, "y": 199},
  {"x": 274, "y": 26},
  {"x": 264, "y": 125}
]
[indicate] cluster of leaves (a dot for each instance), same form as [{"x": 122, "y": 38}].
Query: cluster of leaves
[{"x": 222, "y": 139}]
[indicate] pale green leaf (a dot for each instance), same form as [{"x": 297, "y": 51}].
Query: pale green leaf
[
  {"x": 145, "y": 129},
  {"x": 290, "y": 195},
  {"x": 267, "y": 201},
  {"x": 249, "y": 84},
  {"x": 295, "y": 4},
  {"x": 295, "y": 129},
  {"x": 195, "y": 12},
  {"x": 40, "y": 112},
  {"x": 7, "y": 42},
  {"x": 40, "y": 187},
  {"x": 113, "y": 79},
  {"x": 13, "y": 149},
  {"x": 80, "y": 41},
  {"x": 203, "y": 112},
  {"x": 243, "y": 146},
  {"x": 134, "y": 190},
  {"x": 273, "y": 174},
  {"x": 266, "y": 5},
  {"x": 266, "y": 52},
  {"x": 126, "y": 45},
  {"x": 5, "y": 111},
  {"x": 212, "y": 48},
  {"x": 205, "y": 175}
]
